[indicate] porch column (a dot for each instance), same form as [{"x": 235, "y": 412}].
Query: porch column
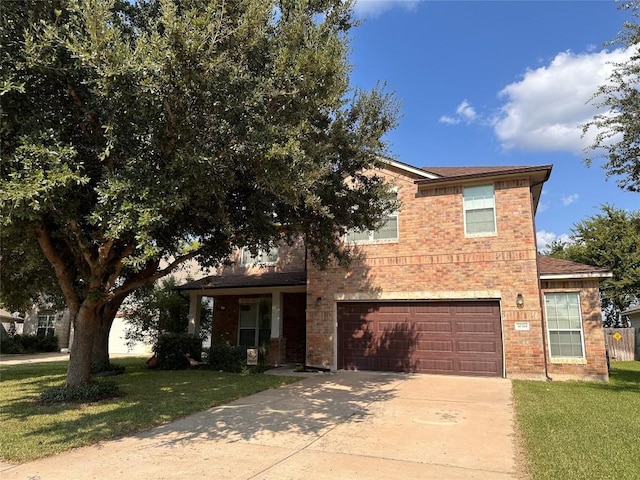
[
  {"x": 276, "y": 314},
  {"x": 195, "y": 306},
  {"x": 277, "y": 345}
]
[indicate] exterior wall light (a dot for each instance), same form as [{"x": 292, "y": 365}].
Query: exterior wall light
[{"x": 519, "y": 301}]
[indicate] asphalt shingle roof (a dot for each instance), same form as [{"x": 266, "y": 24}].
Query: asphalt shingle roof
[
  {"x": 556, "y": 266},
  {"x": 239, "y": 280}
]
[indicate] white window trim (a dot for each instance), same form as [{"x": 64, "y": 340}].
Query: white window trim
[
  {"x": 50, "y": 319},
  {"x": 376, "y": 241},
  {"x": 250, "y": 301},
  {"x": 495, "y": 219},
  {"x": 261, "y": 252},
  {"x": 564, "y": 359}
]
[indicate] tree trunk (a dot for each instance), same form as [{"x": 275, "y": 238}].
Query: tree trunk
[
  {"x": 104, "y": 321},
  {"x": 100, "y": 350},
  {"x": 79, "y": 370}
]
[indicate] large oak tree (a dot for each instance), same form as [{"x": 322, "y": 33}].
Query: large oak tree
[{"x": 137, "y": 136}]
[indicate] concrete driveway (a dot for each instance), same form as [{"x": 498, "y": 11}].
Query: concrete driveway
[{"x": 346, "y": 425}]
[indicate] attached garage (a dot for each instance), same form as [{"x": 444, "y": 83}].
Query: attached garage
[{"x": 453, "y": 338}]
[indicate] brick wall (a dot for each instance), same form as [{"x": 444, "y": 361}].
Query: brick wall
[{"x": 434, "y": 260}]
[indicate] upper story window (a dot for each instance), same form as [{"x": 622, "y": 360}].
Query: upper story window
[
  {"x": 263, "y": 257},
  {"x": 387, "y": 233},
  {"x": 564, "y": 325},
  {"x": 479, "y": 210}
]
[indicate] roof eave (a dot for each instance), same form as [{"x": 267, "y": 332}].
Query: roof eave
[
  {"x": 543, "y": 171},
  {"x": 405, "y": 167},
  {"x": 574, "y": 276}
]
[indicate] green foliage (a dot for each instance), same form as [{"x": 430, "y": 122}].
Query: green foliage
[
  {"x": 224, "y": 357},
  {"x": 89, "y": 392},
  {"x": 156, "y": 309},
  {"x": 172, "y": 347},
  {"x": 617, "y": 129},
  {"x": 137, "y": 136},
  {"x": 611, "y": 240},
  {"x": 29, "y": 343}
]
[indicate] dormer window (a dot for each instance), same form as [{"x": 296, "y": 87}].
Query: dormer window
[
  {"x": 479, "y": 210},
  {"x": 262, "y": 257}
]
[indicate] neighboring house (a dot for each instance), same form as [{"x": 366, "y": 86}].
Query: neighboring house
[
  {"x": 43, "y": 321},
  {"x": 451, "y": 284},
  {"x": 633, "y": 315},
  {"x": 10, "y": 323}
]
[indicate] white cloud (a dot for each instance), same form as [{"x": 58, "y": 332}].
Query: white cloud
[
  {"x": 373, "y": 8},
  {"x": 569, "y": 199},
  {"x": 547, "y": 107},
  {"x": 449, "y": 120},
  {"x": 542, "y": 206},
  {"x": 464, "y": 113},
  {"x": 545, "y": 238}
]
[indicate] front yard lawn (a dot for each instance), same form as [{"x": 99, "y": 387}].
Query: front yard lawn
[
  {"x": 151, "y": 398},
  {"x": 582, "y": 430}
]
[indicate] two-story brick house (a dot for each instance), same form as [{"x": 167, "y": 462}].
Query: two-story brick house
[{"x": 451, "y": 284}]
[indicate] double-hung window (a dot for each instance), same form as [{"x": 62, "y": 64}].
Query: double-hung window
[
  {"x": 388, "y": 232},
  {"x": 46, "y": 325},
  {"x": 479, "y": 210},
  {"x": 263, "y": 257},
  {"x": 564, "y": 325},
  {"x": 254, "y": 323}
]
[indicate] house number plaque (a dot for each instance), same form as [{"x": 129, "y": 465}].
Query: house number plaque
[{"x": 522, "y": 326}]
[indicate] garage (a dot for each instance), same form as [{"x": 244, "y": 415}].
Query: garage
[{"x": 452, "y": 338}]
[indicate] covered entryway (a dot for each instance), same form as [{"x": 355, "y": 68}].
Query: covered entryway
[{"x": 453, "y": 338}]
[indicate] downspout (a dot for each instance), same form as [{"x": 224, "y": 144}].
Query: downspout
[
  {"x": 543, "y": 318},
  {"x": 543, "y": 311}
]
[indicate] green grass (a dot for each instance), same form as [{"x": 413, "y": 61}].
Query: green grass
[
  {"x": 151, "y": 397},
  {"x": 582, "y": 430}
]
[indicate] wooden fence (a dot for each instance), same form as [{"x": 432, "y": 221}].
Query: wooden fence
[{"x": 621, "y": 343}]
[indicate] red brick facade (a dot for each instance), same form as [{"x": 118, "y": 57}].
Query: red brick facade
[{"x": 433, "y": 259}]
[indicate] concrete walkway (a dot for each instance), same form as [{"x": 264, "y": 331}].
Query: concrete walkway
[{"x": 347, "y": 425}]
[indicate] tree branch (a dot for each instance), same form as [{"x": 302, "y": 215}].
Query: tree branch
[
  {"x": 143, "y": 278},
  {"x": 61, "y": 271},
  {"x": 84, "y": 248}
]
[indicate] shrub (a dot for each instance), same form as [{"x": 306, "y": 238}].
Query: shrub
[
  {"x": 171, "y": 348},
  {"x": 11, "y": 345},
  {"x": 230, "y": 358},
  {"x": 48, "y": 343},
  {"x": 90, "y": 392},
  {"x": 29, "y": 344}
]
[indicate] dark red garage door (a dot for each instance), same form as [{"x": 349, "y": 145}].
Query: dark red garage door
[{"x": 454, "y": 338}]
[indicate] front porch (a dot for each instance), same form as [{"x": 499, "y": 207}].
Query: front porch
[{"x": 254, "y": 311}]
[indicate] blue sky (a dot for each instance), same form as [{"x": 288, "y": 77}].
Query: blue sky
[{"x": 497, "y": 83}]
